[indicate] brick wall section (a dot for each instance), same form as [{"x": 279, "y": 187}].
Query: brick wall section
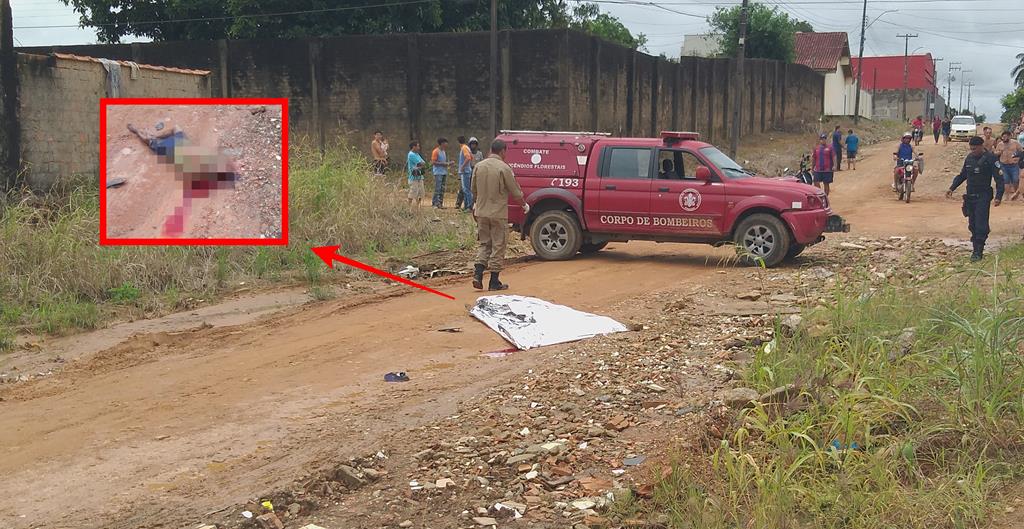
[
  {"x": 427, "y": 85},
  {"x": 58, "y": 111}
]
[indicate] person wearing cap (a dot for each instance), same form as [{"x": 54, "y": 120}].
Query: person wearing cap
[
  {"x": 465, "y": 172},
  {"x": 903, "y": 154},
  {"x": 822, "y": 163},
  {"x": 979, "y": 171},
  {"x": 491, "y": 185}
]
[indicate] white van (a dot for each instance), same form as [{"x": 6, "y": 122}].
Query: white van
[{"x": 962, "y": 128}]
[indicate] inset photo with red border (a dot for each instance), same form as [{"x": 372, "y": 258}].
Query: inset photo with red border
[{"x": 193, "y": 171}]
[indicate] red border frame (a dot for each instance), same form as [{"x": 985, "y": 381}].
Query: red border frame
[{"x": 108, "y": 241}]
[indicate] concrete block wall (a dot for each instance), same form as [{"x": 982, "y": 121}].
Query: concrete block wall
[
  {"x": 58, "y": 111},
  {"x": 421, "y": 86}
]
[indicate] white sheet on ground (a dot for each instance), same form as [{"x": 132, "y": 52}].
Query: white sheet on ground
[{"x": 530, "y": 322}]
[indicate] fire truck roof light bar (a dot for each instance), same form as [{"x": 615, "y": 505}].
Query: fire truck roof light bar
[{"x": 578, "y": 133}]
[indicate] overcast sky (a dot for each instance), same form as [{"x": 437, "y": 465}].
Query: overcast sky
[{"x": 983, "y": 35}]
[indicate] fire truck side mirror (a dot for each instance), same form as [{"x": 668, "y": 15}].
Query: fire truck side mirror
[{"x": 703, "y": 173}]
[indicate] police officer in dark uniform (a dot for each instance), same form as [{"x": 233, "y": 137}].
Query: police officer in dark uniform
[{"x": 979, "y": 171}]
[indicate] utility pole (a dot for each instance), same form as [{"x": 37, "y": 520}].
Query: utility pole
[
  {"x": 738, "y": 84},
  {"x": 949, "y": 83},
  {"x": 935, "y": 83},
  {"x": 860, "y": 63},
  {"x": 969, "y": 85},
  {"x": 494, "y": 68},
  {"x": 963, "y": 75},
  {"x": 10, "y": 138},
  {"x": 906, "y": 53}
]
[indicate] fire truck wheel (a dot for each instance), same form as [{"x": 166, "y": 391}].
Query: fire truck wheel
[
  {"x": 555, "y": 235},
  {"x": 589, "y": 247},
  {"x": 762, "y": 237},
  {"x": 795, "y": 250}
]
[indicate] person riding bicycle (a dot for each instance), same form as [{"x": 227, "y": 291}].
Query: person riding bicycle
[{"x": 903, "y": 154}]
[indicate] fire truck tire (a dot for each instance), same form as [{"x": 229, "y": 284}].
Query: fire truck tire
[
  {"x": 795, "y": 250},
  {"x": 762, "y": 237},
  {"x": 555, "y": 235},
  {"x": 589, "y": 247}
]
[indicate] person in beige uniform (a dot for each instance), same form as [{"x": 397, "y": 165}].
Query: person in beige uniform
[{"x": 491, "y": 185}]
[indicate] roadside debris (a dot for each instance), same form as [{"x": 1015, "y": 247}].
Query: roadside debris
[
  {"x": 450, "y": 329},
  {"x": 530, "y": 322},
  {"x": 409, "y": 272},
  {"x": 399, "y": 376}
]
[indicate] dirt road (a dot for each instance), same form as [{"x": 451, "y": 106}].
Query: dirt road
[{"x": 165, "y": 427}]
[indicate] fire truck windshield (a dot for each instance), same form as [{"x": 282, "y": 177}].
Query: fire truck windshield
[{"x": 725, "y": 164}]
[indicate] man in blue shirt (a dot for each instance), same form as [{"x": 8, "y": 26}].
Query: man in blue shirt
[
  {"x": 852, "y": 143},
  {"x": 415, "y": 166},
  {"x": 837, "y": 147},
  {"x": 439, "y": 162},
  {"x": 904, "y": 153}
]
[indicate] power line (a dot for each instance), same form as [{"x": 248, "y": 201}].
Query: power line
[
  {"x": 640, "y": 3},
  {"x": 904, "y": 26},
  {"x": 233, "y": 17}
]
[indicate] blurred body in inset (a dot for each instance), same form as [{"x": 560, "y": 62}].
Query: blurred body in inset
[{"x": 199, "y": 168}]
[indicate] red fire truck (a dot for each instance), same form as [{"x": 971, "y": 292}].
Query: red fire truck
[{"x": 588, "y": 189}]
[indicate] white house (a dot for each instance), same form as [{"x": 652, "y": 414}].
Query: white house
[
  {"x": 829, "y": 55},
  {"x": 701, "y": 45}
]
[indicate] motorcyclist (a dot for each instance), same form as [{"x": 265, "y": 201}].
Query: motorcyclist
[
  {"x": 903, "y": 154},
  {"x": 918, "y": 125}
]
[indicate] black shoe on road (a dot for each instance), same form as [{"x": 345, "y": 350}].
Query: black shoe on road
[
  {"x": 975, "y": 257},
  {"x": 497, "y": 286}
]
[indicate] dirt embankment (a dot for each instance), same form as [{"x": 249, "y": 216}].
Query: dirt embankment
[{"x": 251, "y": 135}]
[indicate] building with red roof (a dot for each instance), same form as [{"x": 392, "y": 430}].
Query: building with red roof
[
  {"x": 884, "y": 77},
  {"x": 829, "y": 54}
]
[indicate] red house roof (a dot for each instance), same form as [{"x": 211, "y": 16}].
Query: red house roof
[
  {"x": 920, "y": 72},
  {"x": 821, "y": 51}
]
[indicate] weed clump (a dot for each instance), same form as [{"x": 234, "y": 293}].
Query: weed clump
[{"x": 910, "y": 414}]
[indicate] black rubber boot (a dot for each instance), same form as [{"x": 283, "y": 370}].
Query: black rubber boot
[
  {"x": 478, "y": 276},
  {"x": 976, "y": 256},
  {"x": 495, "y": 283}
]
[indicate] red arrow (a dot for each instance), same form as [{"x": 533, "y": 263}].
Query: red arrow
[{"x": 330, "y": 254}]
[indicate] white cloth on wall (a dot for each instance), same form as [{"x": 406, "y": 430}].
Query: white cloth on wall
[{"x": 113, "y": 69}]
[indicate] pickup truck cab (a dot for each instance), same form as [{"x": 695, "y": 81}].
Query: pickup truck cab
[
  {"x": 962, "y": 128},
  {"x": 588, "y": 189}
]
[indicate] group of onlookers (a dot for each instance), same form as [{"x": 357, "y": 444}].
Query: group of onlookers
[
  {"x": 439, "y": 166},
  {"x": 485, "y": 186}
]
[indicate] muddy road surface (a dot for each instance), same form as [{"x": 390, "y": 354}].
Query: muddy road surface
[{"x": 165, "y": 427}]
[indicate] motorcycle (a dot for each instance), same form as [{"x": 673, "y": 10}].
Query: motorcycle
[
  {"x": 804, "y": 176},
  {"x": 918, "y": 136},
  {"x": 905, "y": 171}
]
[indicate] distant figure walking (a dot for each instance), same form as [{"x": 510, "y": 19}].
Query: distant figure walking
[{"x": 852, "y": 144}]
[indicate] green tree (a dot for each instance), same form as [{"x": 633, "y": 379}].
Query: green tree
[
  {"x": 164, "y": 20},
  {"x": 589, "y": 19},
  {"x": 1013, "y": 106},
  {"x": 770, "y": 32},
  {"x": 1018, "y": 71}
]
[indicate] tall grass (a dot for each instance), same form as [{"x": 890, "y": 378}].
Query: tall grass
[
  {"x": 911, "y": 414},
  {"x": 54, "y": 277}
]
